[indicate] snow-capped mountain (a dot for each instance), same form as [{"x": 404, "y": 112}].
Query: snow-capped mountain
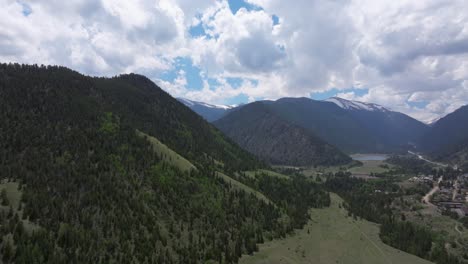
[
  {"x": 353, "y": 127},
  {"x": 210, "y": 112},
  {"x": 392, "y": 129},
  {"x": 433, "y": 121},
  {"x": 191, "y": 103},
  {"x": 372, "y": 127},
  {"x": 355, "y": 105}
]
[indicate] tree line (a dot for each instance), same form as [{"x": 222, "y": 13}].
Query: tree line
[{"x": 372, "y": 200}]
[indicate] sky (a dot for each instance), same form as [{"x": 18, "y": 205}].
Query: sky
[{"x": 409, "y": 56}]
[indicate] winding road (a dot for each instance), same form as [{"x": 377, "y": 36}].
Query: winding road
[
  {"x": 430, "y": 161},
  {"x": 427, "y": 198}
]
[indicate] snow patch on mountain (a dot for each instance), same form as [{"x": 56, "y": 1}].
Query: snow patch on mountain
[
  {"x": 433, "y": 121},
  {"x": 355, "y": 105},
  {"x": 191, "y": 103},
  {"x": 186, "y": 102}
]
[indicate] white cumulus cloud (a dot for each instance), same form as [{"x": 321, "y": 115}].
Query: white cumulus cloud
[{"x": 412, "y": 56}]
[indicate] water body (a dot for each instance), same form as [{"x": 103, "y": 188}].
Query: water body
[{"x": 369, "y": 157}]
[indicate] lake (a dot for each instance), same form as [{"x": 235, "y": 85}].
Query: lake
[{"x": 364, "y": 157}]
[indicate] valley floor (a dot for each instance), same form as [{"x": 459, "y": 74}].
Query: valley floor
[{"x": 332, "y": 237}]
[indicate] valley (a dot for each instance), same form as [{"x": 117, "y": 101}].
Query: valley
[
  {"x": 420, "y": 170},
  {"x": 233, "y": 131},
  {"x": 331, "y": 236},
  {"x": 339, "y": 235},
  {"x": 127, "y": 173}
]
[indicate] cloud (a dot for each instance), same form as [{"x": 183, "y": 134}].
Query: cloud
[
  {"x": 100, "y": 38},
  {"x": 411, "y": 56},
  {"x": 258, "y": 53},
  {"x": 241, "y": 43}
]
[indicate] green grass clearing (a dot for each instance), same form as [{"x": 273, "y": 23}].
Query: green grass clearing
[
  {"x": 370, "y": 166},
  {"x": 14, "y": 198},
  {"x": 319, "y": 170},
  {"x": 331, "y": 237},
  {"x": 167, "y": 154},
  {"x": 13, "y": 193},
  {"x": 267, "y": 172},
  {"x": 241, "y": 186}
]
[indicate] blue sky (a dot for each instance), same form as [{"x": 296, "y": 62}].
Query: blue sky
[
  {"x": 235, "y": 5},
  {"x": 419, "y": 105},
  {"x": 195, "y": 79},
  {"x": 271, "y": 49},
  {"x": 26, "y": 9}
]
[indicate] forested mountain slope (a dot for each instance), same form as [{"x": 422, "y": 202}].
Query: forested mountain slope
[
  {"x": 262, "y": 132},
  {"x": 394, "y": 131},
  {"x": 447, "y": 139},
  {"x": 155, "y": 112},
  {"x": 351, "y": 126},
  {"x": 92, "y": 189},
  {"x": 328, "y": 121}
]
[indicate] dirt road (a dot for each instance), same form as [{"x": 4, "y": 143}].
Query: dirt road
[{"x": 427, "y": 198}]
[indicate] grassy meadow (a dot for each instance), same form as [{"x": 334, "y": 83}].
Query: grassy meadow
[
  {"x": 167, "y": 154},
  {"x": 332, "y": 237}
]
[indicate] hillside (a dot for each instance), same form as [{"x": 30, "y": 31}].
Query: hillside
[
  {"x": 148, "y": 108},
  {"x": 393, "y": 130},
  {"x": 332, "y": 237},
  {"x": 328, "y": 121},
  {"x": 447, "y": 138},
  {"x": 353, "y": 127},
  {"x": 259, "y": 130},
  {"x": 103, "y": 170}
]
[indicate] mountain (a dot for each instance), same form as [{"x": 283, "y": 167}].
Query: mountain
[
  {"x": 115, "y": 170},
  {"x": 208, "y": 111},
  {"x": 256, "y": 128},
  {"x": 356, "y": 106},
  {"x": 394, "y": 131},
  {"x": 433, "y": 121},
  {"x": 351, "y": 126},
  {"x": 326, "y": 120},
  {"x": 447, "y": 138}
]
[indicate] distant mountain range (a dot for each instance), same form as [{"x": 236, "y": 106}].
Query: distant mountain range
[
  {"x": 394, "y": 131},
  {"x": 355, "y": 105},
  {"x": 208, "y": 111},
  {"x": 448, "y": 138},
  {"x": 257, "y": 128},
  {"x": 350, "y": 126},
  {"x": 372, "y": 127}
]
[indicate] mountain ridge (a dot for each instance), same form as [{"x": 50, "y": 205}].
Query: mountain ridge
[
  {"x": 373, "y": 128},
  {"x": 389, "y": 126},
  {"x": 118, "y": 170},
  {"x": 209, "y": 112},
  {"x": 256, "y": 128},
  {"x": 355, "y": 105},
  {"x": 447, "y": 139}
]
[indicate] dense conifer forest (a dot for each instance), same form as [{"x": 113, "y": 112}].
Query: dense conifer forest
[{"x": 92, "y": 191}]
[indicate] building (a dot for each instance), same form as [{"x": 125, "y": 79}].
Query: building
[{"x": 450, "y": 205}]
